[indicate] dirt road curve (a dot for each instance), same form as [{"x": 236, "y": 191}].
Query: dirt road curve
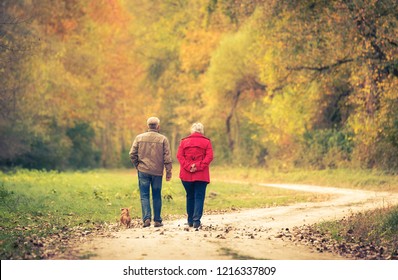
[{"x": 248, "y": 234}]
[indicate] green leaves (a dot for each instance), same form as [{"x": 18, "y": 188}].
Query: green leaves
[{"x": 259, "y": 74}]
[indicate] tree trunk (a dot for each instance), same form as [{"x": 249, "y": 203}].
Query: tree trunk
[{"x": 231, "y": 142}]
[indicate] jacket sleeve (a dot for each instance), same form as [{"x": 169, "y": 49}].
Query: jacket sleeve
[
  {"x": 207, "y": 158},
  {"x": 134, "y": 153},
  {"x": 181, "y": 157},
  {"x": 167, "y": 158}
]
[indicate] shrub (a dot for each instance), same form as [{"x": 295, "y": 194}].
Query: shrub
[{"x": 325, "y": 148}]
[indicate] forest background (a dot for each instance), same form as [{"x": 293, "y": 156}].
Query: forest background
[{"x": 277, "y": 83}]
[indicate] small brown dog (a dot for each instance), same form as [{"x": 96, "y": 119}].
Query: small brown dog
[{"x": 125, "y": 218}]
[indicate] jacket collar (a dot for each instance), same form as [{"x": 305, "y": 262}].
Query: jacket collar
[{"x": 196, "y": 135}]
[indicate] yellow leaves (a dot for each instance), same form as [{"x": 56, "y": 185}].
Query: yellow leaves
[
  {"x": 231, "y": 63},
  {"x": 362, "y": 125},
  {"x": 287, "y": 115},
  {"x": 196, "y": 50},
  {"x": 113, "y": 62},
  {"x": 270, "y": 66}
]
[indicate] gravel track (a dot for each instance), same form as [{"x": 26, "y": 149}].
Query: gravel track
[{"x": 245, "y": 234}]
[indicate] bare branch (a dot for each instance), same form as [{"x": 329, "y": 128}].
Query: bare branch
[{"x": 321, "y": 68}]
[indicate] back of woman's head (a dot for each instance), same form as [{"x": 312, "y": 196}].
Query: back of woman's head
[{"x": 197, "y": 127}]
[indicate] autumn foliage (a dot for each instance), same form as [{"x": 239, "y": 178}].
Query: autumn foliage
[{"x": 277, "y": 83}]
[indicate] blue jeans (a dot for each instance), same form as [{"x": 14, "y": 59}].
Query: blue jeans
[
  {"x": 147, "y": 182},
  {"x": 196, "y": 192}
]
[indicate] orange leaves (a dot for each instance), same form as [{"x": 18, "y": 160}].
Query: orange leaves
[
  {"x": 108, "y": 12},
  {"x": 287, "y": 67},
  {"x": 197, "y": 48},
  {"x": 68, "y": 25},
  {"x": 62, "y": 27}
]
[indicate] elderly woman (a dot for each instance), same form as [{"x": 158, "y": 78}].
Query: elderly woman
[{"x": 195, "y": 154}]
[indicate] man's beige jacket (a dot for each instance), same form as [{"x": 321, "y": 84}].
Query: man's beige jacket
[{"x": 150, "y": 153}]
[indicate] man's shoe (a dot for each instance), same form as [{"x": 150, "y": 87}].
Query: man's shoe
[
  {"x": 158, "y": 224},
  {"x": 147, "y": 223}
]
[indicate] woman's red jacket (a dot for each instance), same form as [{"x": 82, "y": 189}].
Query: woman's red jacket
[{"x": 197, "y": 149}]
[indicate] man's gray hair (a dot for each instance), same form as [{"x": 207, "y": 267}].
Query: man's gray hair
[
  {"x": 153, "y": 121},
  {"x": 197, "y": 127}
]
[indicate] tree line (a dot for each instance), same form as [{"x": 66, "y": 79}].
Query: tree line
[{"x": 277, "y": 83}]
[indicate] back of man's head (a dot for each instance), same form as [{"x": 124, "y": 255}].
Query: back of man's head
[{"x": 153, "y": 123}]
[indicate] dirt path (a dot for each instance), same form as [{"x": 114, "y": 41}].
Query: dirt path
[{"x": 248, "y": 234}]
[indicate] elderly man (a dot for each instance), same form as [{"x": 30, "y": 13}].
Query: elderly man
[{"x": 150, "y": 154}]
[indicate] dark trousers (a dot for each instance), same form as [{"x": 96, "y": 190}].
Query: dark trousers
[
  {"x": 196, "y": 192},
  {"x": 146, "y": 182}
]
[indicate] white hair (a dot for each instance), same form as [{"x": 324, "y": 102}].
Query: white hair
[
  {"x": 197, "y": 127},
  {"x": 153, "y": 120}
]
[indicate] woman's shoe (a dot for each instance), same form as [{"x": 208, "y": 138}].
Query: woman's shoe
[
  {"x": 196, "y": 224},
  {"x": 158, "y": 224}
]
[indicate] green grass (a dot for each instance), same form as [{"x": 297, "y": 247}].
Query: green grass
[
  {"x": 97, "y": 196},
  {"x": 37, "y": 206},
  {"x": 344, "y": 178},
  {"x": 374, "y": 229}
]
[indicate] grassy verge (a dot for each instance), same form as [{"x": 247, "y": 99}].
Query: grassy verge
[
  {"x": 344, "y": 178},
  {"x": 370, "y": 235},
  {"x": 42, "y": 211}
]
